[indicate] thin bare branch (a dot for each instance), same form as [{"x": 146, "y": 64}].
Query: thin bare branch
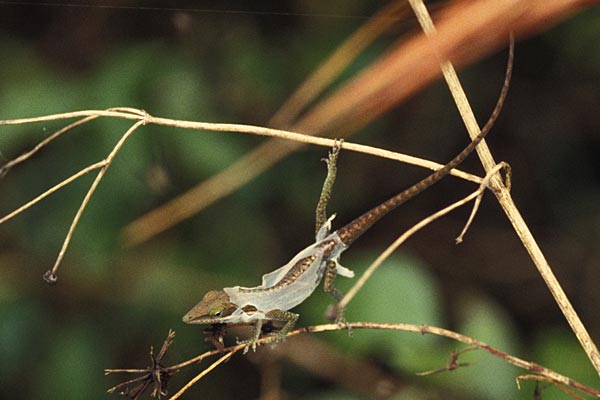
[
  {"x": 51, "y": 276},
  {"x": 143, "y": 118},
  {"x": 25, "y": 156},
  {"x": 109, "y": 371},
  {"x": 251, "y": 129},
  {"x": 129, "y": 114},
  {"x": 420, "y": 329}
]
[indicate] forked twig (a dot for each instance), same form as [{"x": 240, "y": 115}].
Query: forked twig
[
  {"x": 50, "y": 276},
  {"x": 452, "y": 365},
  {"x": 119, "y": 112},
  {"x": 156, "y": 375},
  {"x": 143, "y": 119},
  {"x": 477, "y": 203}
]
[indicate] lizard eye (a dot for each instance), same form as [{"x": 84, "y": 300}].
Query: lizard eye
[{"x": 217, "y": 312}]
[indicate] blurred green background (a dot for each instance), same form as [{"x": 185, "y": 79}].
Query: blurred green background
[{"x": 238, "y": 65}]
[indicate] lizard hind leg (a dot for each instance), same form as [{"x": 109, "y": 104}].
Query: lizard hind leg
[
  {"x": 321, "y": 212},
  {"x": 286, "y": 316},
  {"x": 335, "y": 312},
  {"x": 279, "y": 315}
]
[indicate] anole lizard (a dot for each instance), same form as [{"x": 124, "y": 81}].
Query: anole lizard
[{"x": 289, "y": 285}]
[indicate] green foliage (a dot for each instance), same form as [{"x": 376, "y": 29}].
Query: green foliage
[
  {"x": 577, "y": 42},
  {"x": 400, "y": 291},
  {"x": 558, "y": 349},
  {"x": 76, "y": 364},
  {"x": 488, "y": 376}
]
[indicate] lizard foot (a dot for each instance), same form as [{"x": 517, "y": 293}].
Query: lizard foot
[
  {"x": 338, "y": 315},
  {"x": 341, "y": 321},
  {"x": 215, "y": 334},
  {"x": 251, "y": 343}
]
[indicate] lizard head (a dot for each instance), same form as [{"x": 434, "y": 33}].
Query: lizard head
[{"x": 214, "y": 308}]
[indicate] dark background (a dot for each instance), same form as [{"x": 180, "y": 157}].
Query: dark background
[{"x": 231, "y": 62}]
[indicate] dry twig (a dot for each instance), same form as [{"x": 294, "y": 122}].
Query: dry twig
[
  {"x": 504, "y": 198},
  {"x": 145, "y": 119},
  {"x": 544, "y": 373}
]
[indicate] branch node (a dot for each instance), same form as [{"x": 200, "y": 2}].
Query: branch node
[
  {"x": 485, "y": 184},
  {"x": 156, "y": 375},
  {"x": 145, "y": 117}
]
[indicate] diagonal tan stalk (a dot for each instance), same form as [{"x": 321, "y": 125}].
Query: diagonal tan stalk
[
  {"x": 505, "y": 199},
  {"x": 269, "y": 153},
  {"x": 339, "y": 60},
  {"x": 116, "y": 111},
  {"x": 201, "y": 375}
]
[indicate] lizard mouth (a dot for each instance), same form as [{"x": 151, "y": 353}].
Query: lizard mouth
[{"x": 191, "y": 319}]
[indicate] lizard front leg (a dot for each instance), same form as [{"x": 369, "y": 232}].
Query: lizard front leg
[
  {"x": 334, "y": 312},
  {"x": 253, "y": 340},
  {"x": 286, "y": 316}
]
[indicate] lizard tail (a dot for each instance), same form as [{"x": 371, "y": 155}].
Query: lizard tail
[{"x": 360, "y": 225}]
